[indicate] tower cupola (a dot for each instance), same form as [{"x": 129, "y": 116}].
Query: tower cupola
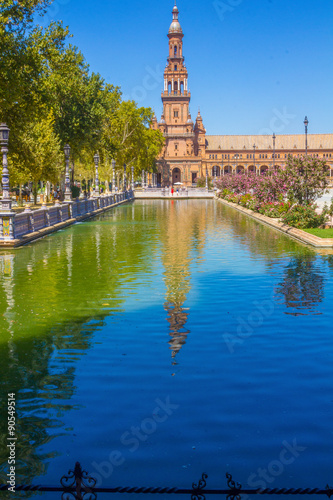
[{"x": 175, "y": 26}]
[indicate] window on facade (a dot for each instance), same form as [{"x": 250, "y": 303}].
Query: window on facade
[
  {"x": 176, "y": 146},
  {"x": 175, "y": 67},
  {"x": 175, "y": 49},
  {"x": 175, "y": 114}
]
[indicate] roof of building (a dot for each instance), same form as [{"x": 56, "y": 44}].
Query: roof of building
[{"x": 288, "y": 142}]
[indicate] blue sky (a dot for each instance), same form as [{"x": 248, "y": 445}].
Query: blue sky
[{"x": 255, "y": 66}]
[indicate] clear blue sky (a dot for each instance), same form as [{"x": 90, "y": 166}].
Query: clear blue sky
[{"x": 255, "y": 66}]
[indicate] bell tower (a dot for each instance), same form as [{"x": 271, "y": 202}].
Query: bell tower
[
  {"x": 176, "y": 161},
  {"x": 176, "y": 97}
]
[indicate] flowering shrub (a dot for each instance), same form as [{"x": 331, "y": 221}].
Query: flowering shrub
[
  {"x": 303, "y": 217},
  {"x": 302, "y": 181},
  {"x": 276, "y": 209},
  {"x": 248, "y": 201}
]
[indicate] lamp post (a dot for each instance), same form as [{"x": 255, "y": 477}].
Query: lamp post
[
  {"x": 206, "y": 179},
  {"x": 96, "y": 160},
  {"x": 68, "y": 193},
  {"x": 113, "y": 175},
  {"x": 306, "y": 123},
  {"x": 125, "y": 180},
  {"x": 6, "y": 215},
  {"x": 274, "y": 138},
  {"x": 132, "y": 168},
  {"x": 254, "y": 158}
]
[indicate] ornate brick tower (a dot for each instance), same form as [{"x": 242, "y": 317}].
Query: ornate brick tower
[{"x": 181, "y": 140}]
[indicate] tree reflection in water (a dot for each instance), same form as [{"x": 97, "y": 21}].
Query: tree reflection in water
[{"x": 302, "y": 288}]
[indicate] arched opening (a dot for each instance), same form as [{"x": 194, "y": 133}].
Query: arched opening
[
  {"x": 216, "y": 170},
  {"x": 169, "y": 87},
  {"x": 182, "y": 87},
  {"x": 251, "y": 169},
  {"x": 227, "y": 170},
  {"x": 175, "y": 50},
  {"x": 263, "y": 169},
  {"x": 176, "y": 175},
  {"x": 240, "y": 169},
  {"x": 175, "y": 85}
]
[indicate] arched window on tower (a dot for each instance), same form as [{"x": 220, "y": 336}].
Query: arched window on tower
[
  {"x": 182, "y": 87},
  {"x": 175, "y": 49},
  {"x": 176, "y": 87},
  {"x": 169, "y": 88}
]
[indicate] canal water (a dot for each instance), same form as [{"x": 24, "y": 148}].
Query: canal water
[{"x": 164, "y": 339}]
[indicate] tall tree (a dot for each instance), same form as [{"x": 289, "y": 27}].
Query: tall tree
[{"x": 38, "y": 154}]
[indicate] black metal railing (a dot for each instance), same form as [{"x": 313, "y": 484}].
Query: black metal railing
[{"x": 78, "y": 485}]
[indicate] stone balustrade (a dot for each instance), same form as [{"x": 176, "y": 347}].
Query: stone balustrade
[{"x": 32, "y": 224}]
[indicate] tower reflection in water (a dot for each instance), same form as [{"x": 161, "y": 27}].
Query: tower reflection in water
[{"x": 183, "y": 241}]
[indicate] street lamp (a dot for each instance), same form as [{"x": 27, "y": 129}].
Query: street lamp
[
  {"x": 274, "y": 138},
  {"x": 125, "y": 180},
  {"x": 206, "y": 179},
  {"x": 68, "y": 194},
  {"x": 6, "y": 203},
  {"x": 214, "y": 175},
  {"x": 96, "y": 160},
  {"x": 113, "y": 175},
  {"x": 306, "y": 123},
  {"x": 132, "y": 168},
  {"x": 6, "y": 215}
]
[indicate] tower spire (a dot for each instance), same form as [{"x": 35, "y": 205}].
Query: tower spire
[{"x": 175, "y": 26}]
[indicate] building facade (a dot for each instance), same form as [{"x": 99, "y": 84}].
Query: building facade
[{"x": 190, "y": 153}]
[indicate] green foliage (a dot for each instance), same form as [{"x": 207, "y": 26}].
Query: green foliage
[
  {"x": 75, "y": 191},
  {"x": 38, "y": 154},
  {"x": 276, "y": 209},
  {"x": 301, "y": 217},
  {"x": 201, "y": 182},
  {"x": 128, "y": 138},
  {"x": 248, "y": 201},
  {"x": 42, "y": 76}
]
